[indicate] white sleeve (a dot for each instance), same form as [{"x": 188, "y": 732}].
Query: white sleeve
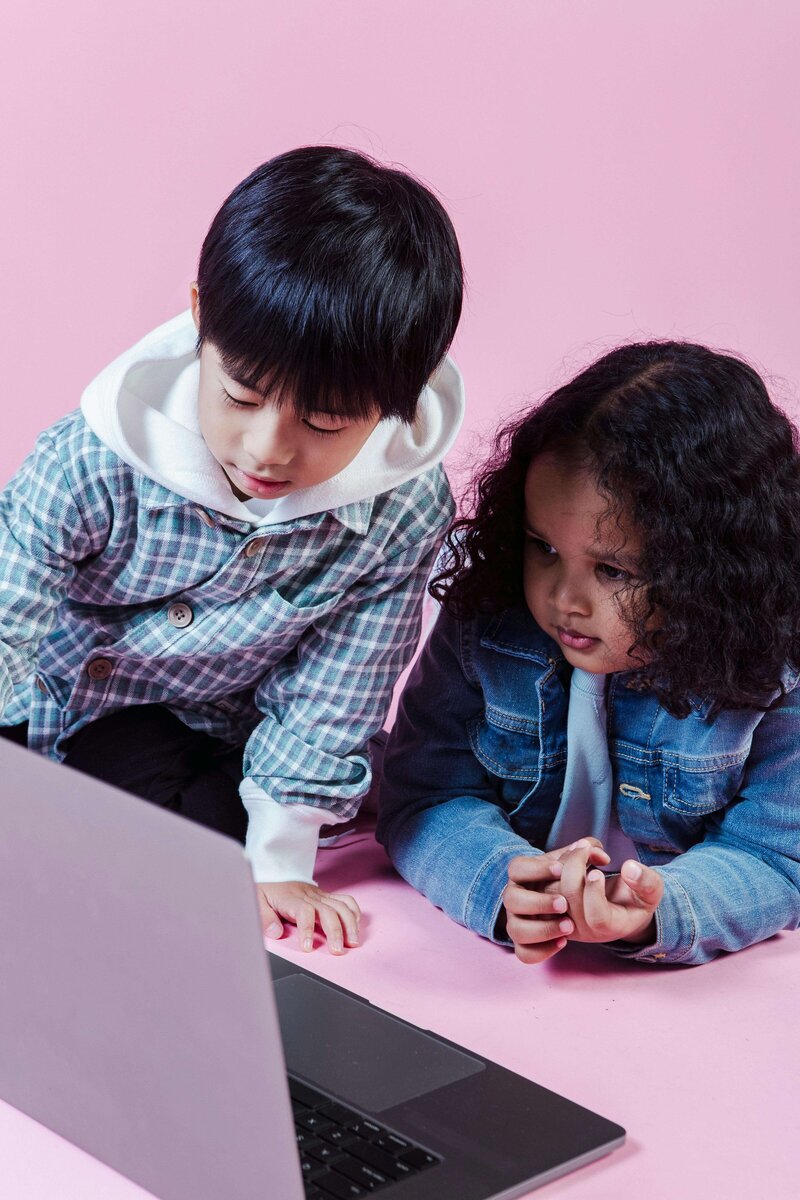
[{"x": 281, "y": 839}]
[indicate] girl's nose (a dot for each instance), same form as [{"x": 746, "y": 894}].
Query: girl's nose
[{"x": 569, "y": 593}]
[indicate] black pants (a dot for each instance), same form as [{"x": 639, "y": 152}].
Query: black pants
[{"x": 151, "y": 753}]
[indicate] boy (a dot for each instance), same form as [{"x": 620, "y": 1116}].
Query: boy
[{"x": 215, "y": 567}]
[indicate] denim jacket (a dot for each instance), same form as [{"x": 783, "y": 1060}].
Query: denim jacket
[{"x": 475, "y": 768}]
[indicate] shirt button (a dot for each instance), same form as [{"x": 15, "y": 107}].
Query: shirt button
[
  {"x": 99, "y": 668},
  {"x": 40, "y": 685},
  {"x": 205, "y": 517},
  {"x": 180, "y": 615},
  {"x": 252, "y": 548}
]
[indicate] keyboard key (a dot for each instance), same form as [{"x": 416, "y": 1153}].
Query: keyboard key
[
  {"x": 377, "y": 1158},
  {"x": 323, "y": 1153},
  {"x": 303, "y": 1093},
  {"x": 366, "y": 1128},
  {"x": 338, "y": 1113},
  {"x": 393, "y": 1143},
  {"x": 313, "y": 1122},
  {"x": 339, "y": 1187},
  {"x": 419, "y": 1159},
  {"x": 361, "y": 1173},
  {"x": 337, "y": 1136}
]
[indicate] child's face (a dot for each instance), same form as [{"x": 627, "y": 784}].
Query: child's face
[
  {"x": 267, "y": 451},
  {"x": 578, "y": 567}
]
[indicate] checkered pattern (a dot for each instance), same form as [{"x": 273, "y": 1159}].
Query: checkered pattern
[{"x": 297, "y": 632}]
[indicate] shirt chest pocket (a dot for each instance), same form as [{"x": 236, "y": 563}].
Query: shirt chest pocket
[
  {"x": 506, "y": 744},
  {"x": 695, "y": 788}
]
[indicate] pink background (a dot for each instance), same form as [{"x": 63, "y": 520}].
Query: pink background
[{"x": 614, "y": 169}]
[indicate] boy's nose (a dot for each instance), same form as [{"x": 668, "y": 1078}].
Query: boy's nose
[{"x": 268, "y": 445}]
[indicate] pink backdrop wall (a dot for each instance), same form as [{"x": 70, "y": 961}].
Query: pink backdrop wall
[{"x": 613, "y": 168}]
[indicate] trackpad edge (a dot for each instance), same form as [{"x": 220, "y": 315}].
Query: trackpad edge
[{"x": 367, "y": 1057}]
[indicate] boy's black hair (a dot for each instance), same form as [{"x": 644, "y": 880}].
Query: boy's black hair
[
  {"x": 333, "y": 281},
  {"x": 687, "y": 444}
]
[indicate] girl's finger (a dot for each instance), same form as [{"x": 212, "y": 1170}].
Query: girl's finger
[
  {"x": 524, "y": 932},
  {"x": 573, "y": 879},
  {"x": 537, "y": 954},
  {"x": 646, "y": 883},
  {"x": 529, "y": 903},
  {"x": 348, "y": 901},
  {"x": 596, "y": 909},
  {"x": 531, "y": 868}
]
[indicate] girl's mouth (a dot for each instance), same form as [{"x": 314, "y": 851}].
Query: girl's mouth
[{"x": 575, "y": 640}]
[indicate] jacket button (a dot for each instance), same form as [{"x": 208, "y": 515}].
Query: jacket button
[
  {"x": 99, "y": 668},
  {"x": 180, "y": 615},
  {"x": 252, "y": 548},
  {"x": 205, "y": 517},
  {"x": 40, "y": 685}
]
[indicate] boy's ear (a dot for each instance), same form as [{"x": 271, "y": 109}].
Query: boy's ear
[{"x": 195, "y": 302}]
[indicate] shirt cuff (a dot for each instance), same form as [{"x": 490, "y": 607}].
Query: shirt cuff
[{"x": 281, "y": 839}]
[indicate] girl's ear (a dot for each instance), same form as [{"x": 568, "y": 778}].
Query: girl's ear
[{"x": 194, "y": 296}]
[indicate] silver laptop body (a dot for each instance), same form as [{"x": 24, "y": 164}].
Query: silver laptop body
[{"x": 138, "y": 1018}]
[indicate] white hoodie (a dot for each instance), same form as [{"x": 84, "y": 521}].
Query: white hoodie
[{"x": 143, "y": 407}]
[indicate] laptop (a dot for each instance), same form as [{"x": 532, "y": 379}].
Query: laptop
[{"x": 140, "y": 1019}]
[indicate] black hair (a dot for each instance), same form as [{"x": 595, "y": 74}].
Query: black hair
[
  {"x": 686, "y": 443},
  {"x": 332, "y": 280}
]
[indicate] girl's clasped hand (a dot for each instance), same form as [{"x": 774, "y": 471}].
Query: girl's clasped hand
[{"x": 563, "y": 896}]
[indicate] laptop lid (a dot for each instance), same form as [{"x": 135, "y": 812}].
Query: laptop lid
[{"x": 130, "y": 955}]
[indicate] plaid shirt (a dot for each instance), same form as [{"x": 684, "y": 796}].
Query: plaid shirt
[{"x": 286, "y": 639}]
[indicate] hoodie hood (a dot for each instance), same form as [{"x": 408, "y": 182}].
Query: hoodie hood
[{"x": 143, "y": 406}]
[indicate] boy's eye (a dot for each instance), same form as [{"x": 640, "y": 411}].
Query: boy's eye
[
  {"x": 320, "y": 429},
  {"x": 234, "y": 403},
  {"x": 618, "y": 574}
]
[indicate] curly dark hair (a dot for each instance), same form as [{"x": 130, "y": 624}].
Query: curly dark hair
[{"x": 687, "y": 443}]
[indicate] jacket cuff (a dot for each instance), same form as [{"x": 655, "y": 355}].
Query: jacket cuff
[
  {"x": 282, "y": 839},
  {"x": 676, "y": 929},
  {"x": 485, "y": 899}
]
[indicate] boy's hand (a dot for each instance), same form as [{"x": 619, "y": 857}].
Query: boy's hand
[
  {"x": 304, "y": 905},
  {"x": 603, "y": 909},
  {"x": 536, "y": 919}
]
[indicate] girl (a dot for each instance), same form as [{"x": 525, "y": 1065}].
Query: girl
[{"x": 613, "y": 680}]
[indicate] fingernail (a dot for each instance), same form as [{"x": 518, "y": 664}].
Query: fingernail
[
  {"x": 337, "y": 947},
  {"x": 634, "y": 870},
  {"x": 561, "y": 943},
  {"x": 308, "y": 943},
  {"x": 560, "y": 904},
  {"x": 580, "y": 845},
  {"x": 274, "y": 930},
  {"x": 566, "y": 926}
]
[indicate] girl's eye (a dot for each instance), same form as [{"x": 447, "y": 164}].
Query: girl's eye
[
  {"x": 319, "y": 429},
  {"x": 542, "y": 546},
  {"x": 609, "y": 571}
]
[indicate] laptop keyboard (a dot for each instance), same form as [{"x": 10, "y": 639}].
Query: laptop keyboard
[{"x": 344, "y": 1154}]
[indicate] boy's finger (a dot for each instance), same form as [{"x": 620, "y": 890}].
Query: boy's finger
[
  {"x": 647, "y": 884},
  {"x": 332, "y": 927},
  {"x": 348, "y": 918},
  {"x": 537, "y": 954},
  {"x": 270, "y": 924},
  {"x": 305, "y": 920}
]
